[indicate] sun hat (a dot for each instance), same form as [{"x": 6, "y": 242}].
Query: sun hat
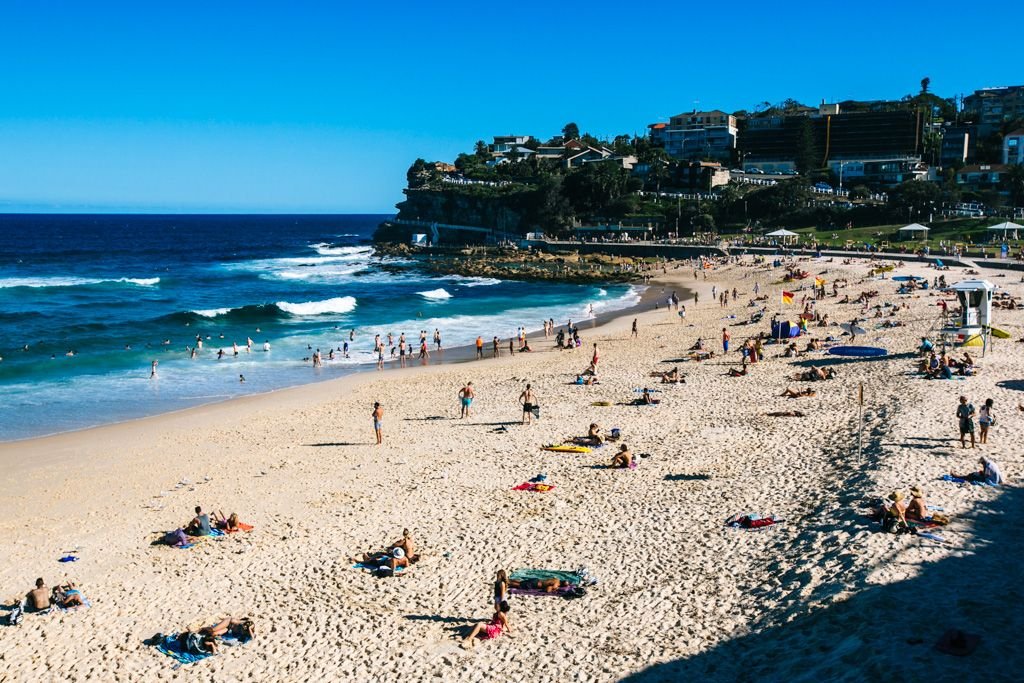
[
  {"x": 398, "y": 552},
  {"x": 916, "y": 492},
  {"x": 896, "y": 496}
]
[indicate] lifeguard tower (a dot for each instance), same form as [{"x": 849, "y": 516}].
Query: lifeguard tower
[{"x": 975, "y": 318}]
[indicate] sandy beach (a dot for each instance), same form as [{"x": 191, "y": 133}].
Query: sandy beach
[{"x": 823, "y": 596}]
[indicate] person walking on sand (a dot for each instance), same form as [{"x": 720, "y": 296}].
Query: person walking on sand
[
  {"x": 594, "y": 358},
  {"x": 634, "y": 333},
  {"x": 511, "y": 346},
  {"x": 529, "y": 401},
  {"x": 466, "y": 396},
  {"x": 497, "y": 348},
  {"x": 378, "y": 422},
  {"x": 965, "y": 413},
  {"x": 725, "y": 340},
  {"x": 479, "y": 347}
]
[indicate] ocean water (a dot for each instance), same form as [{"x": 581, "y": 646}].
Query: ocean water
[{"x": 87, "y": 303}]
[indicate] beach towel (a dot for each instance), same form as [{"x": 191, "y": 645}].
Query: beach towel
[
  {"x": 573, "y": 582},
  {"x": 375, "y": 568},
  {"x": 752, "y": 521},
  {"x": 170, "y": 646},
  {"x": 961, "y": 480},
  {"x": 241, "y": 527},
  {"x": 533, "y": 486}
]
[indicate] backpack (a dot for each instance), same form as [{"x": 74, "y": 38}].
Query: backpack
[{"x": 15, "y": 616}]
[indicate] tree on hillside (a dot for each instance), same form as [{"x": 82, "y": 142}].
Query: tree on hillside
[
  {"x": 925, "y": 82},
  {"x": 417, "y": 175},
  {"x": 914, "y": 198},
  {"x": 570, "y": 131},
  {"x": 806, "y": 156},
  {"x": 1014, "y": 184},
  {"x": 481, "y": 151}
]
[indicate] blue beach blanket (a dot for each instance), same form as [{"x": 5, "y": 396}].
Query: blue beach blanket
[
  {"x": 374, "y": 567},
  {"x": 169, "y": 646},
  {"x": 961, "y": 480}
]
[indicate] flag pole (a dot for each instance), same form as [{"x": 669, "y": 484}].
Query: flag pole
[{"x": 860, "y": 421}]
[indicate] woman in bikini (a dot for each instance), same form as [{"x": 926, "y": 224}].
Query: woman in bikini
[
  {"x": 500, "y": 589},
  {"x": 491, "y": 629}
]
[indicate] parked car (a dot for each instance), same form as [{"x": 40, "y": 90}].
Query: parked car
[{"x": 755, "y": 170}]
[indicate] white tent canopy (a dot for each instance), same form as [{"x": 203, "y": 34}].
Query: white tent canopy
[
  {"x": 1006, "y": 228},
  {"x": 781, "y": 233},
  {"x": 914, "y": 227}
]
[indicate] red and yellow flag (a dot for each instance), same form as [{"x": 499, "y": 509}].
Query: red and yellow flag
[
  {"x": 819, "y": 282},
  {"x": 787, "y": 297}
]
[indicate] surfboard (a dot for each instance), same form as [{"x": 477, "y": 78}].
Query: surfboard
[
  {"x": 858, "y": 351},
  {"x": 998, "y": 333},
  {"x": 853, "y": 329},
  {"x": 566, "y": 448}
]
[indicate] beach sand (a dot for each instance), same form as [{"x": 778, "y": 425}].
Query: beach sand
[{"x": 824, "y": 596}]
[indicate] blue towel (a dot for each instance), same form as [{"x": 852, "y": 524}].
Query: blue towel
[
  {"x": 373, "y": 567},
  {"x": 961, "y": 480},
  {"x": 169, "y": 646}
]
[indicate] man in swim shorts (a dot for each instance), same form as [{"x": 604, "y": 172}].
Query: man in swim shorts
[
  {"x": 466, "y": 396},
  {"x": 529, "y": 400},
  {"x": 378, "y": 422}
]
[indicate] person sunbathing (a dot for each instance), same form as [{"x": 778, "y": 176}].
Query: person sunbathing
[
  {"x": 699, "y": 346},
  {"x": 491, "y": 629},
  {"x": 229, "y": 523},
  {"x": 671, "y": 377},
  {"x": 814, "y": 345},
  {"x": 733, "y": 372},
  {"x": 594, "y": 434},
  {"x": 197, "y": 642},
  {"x": 791, "y": 351},
  {"x": 241, "y": 629},
  {"x": 67, "y": 596},
  {"x": 815, "y": 375},
  {"x": 586, "y": 381},
  {"x": 545, "y": 585},
  {"x": 988, "y": 473},
  {"x": 624, "y": 458},
  {"x": 797, "y": 393}
]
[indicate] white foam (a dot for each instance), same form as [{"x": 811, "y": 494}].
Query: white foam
[
  {"x": 213, "y": 312},
  {"x": 37, "y": 282},
  {"x": 467, "y": 281},
  {"x": 439, "y": 294},
  {"x": 325, "y": 249},
  {"x": 339, "y": 304}
]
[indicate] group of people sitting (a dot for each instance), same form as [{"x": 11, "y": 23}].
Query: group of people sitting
[
  {"x": 670, "y": 377},
  {"x": 813, "y": 374},
  {"x": 897, "y": 515},
  {"x": 202, "y": 525},
  {"x": 572, "y": 341},
  {"x": 943, "y": 366},
  {"x": 41, "y": 598},
  {"x": 397, "y": 555}
]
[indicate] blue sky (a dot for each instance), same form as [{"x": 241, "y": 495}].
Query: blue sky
[{"x": 321, "y": 107}]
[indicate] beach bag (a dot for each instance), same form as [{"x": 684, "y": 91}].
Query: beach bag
[
  {"x": 894, "y": 525},
  {"x": 15, "y": 616}
]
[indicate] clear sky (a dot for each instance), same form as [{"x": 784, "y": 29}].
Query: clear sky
[{"x": 320, "y": 107}]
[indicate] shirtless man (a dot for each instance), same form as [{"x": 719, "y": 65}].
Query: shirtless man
[
  {"x": 466, "y": 396},
  {"x": 378, "y": 422},
  {"x": 624, "y": 458},
  {"x": 529, "y": 401},
  {"x": 38, "y": 598}
]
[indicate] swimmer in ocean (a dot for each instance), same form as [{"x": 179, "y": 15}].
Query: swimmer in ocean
[{"x": 241, "y": 379}]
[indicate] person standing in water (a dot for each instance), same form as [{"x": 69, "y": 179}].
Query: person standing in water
[
  {"x": 378, "y": 422},
  {"x": 152, "y": 369}
]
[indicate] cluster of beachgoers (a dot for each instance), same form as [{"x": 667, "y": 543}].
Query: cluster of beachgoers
[{"x": 662, "y": 467}]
